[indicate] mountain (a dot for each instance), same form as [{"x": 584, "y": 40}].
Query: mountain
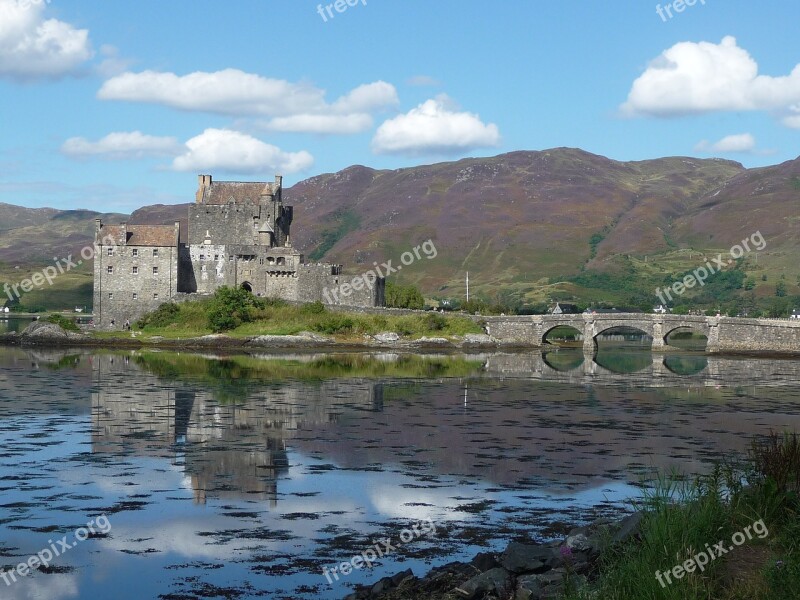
[
  {"x": 511, "y": 219},
  {"x": 555, "y": 224},
  {"x": 33, "y": 236}
]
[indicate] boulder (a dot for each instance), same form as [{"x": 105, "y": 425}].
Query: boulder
[
  {"x": 497, "y": 581},
  {"x": 527, "y": 558},
  {"x": 386, "y": 337},
  {"x": 629, "y": 528},
  {"x": 479, "y": 339},
  {"x": 528, "y": 588}
]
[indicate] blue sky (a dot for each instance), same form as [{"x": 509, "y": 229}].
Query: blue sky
[{"x": 113, "y": 105}]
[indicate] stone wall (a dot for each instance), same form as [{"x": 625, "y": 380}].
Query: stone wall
[
  {"x": 123, "y": 294},
  {"x": 761, "y": 335}
]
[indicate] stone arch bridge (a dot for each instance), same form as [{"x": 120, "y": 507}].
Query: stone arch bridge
[{"x": 725, "y": 334}]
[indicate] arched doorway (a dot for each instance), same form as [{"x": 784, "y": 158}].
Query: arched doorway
[{"x": 246, "y": 286}]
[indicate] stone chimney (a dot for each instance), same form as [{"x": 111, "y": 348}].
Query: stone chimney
[
  {"x": 177, "y": 233},
  {"x": 278, "y": 188},
  {"x": 203, "y": 182},
  {"x": 124, "y": 233},
  {"x": 98, "y": 225}
]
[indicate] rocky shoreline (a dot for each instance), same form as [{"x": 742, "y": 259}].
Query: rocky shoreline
[
  {"x": 523, "y": 571},
  {"x": 41, "y": 333}
]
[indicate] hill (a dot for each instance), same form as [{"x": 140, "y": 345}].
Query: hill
[{"x": 528, "y": 226}]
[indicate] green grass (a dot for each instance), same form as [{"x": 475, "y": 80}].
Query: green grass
[
  {"x": 278, "y": 318},
  {"x": 683, "y": 516}
]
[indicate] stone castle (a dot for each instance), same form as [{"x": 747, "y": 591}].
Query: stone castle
[{"x": 238, "y": 236}]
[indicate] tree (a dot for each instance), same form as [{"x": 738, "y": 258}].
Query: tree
[
  {"x": 403, "y": 296},
  {"x": 780, "y": 289}
]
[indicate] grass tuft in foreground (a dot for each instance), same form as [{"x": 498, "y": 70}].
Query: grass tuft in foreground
[{"x": 685, "y": 517}]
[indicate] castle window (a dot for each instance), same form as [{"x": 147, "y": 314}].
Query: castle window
[
  {"x": 202, "y": 257},
  {"x": 155, "y": 270},
  {"x": 216, "y": 257},
  {"x": 135, "y": 296},
  {"x": 110, "y": 295},
  {"x": 155, "y": 252},
  {"x": 155, "y": 296},
  {"x": 281, "y": 260},
  {"x": 110, "y": 252},
  {"x": 135, "y": 252},
  {"x": 110, "y": 270},
  {"x": 135, "y": 270},
  {"x": 203, "y": 268},
  {"x": 271, "y": 260}
]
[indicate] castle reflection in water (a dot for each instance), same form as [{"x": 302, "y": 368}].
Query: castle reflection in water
[{"x": 227, "y": 449}]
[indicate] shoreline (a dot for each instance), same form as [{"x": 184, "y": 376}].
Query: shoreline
[{"x": 317, "y": 343}]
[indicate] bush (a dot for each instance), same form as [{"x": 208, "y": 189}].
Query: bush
[
  {"x": 403, "y": 296},
  {"x": 313, "y": 308},
  {"x": 435, "y": 322},
  {"x": 231, "y": 307},
  {"x": 63, "y": 322},
  {"x": 164, "y": 315},
  {"x": 334, "y": 323}
]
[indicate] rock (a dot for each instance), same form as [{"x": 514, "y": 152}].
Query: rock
[
  {"x": 432, "y": 341},
  {"x": 628, "y": 528},
  {"x": 386, "y": 337},
  {"x": 402, "y": 576},
  {"x": 528, "y": 588},
  {"x": 578, "y": 542},
  {"x": 287, "y": 340},
  {"x": 314, "y": 336},
  {"x": 43, "y": 331},
  {"x": 495, "y": 580},
  {"x": 526, "y": 558},
  {"x": 382, "y": 586},
  {"x": 484, "y": 561},
  {"x": 479, "y": 339}
]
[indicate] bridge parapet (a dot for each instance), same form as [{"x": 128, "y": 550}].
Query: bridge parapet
[{"x": 725, "y": 334}]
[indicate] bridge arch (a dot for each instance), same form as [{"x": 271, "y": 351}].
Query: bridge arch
[
  {"x": 673, "y": 335},
  {"x": 575, "y": 328}
]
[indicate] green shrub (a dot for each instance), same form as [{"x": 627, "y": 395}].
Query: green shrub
[
  {"x": 63, "y": 322},
  {"x": 334, "y": 323},
  {"x": 434, "y": 322},
  {"x": 231, "y": 307},
  {"x": 164, "y": 315},
  {"x": 313, "y": 308},
  {"x": 403, "y": 296}
]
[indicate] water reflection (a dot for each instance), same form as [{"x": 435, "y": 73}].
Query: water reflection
[{"x": 241, "y": 476}]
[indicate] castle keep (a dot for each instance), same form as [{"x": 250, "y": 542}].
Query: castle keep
[{"x": 238, "y": 236}]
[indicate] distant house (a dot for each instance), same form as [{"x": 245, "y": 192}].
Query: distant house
[
  {"x": 795, "y": 314},
  {"x": 564, "y": 309},
  {"x": 661, "y": 309}
]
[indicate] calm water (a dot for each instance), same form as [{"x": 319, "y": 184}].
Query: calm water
[
  {"x": 244, "y": 476},
  {"x": 13, "y": 324}
]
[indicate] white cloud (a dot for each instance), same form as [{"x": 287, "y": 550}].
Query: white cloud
[
  {"x": 691, "y": 78},
  {"x": 742, "y": 142},
  {"x": 112, "y": 64},
  {"x": 235, "y": 152},
  {"x": 423, "y": 81},
  {"x": 34, "y": 48},
  {"x": 323, "y": 124},
  {"x": 294, "y": 107},
  {"x": 121, "y": 145},
  {"x": 434, "y": 127}
]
